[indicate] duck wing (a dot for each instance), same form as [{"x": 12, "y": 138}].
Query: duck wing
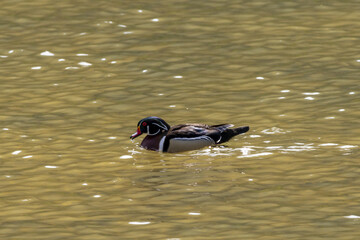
[
  {"x": 186, "y": 137},
  {"x": 222, "y": 127},
  {"x": 194, "y": 130}
]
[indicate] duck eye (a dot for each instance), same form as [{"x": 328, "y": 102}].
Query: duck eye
[{"x": 144, "y": 124}]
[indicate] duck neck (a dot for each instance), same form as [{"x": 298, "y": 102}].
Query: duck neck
[{"x": 152, "y": 142}]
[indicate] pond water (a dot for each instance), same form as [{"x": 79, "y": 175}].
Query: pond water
[{"x": 77, "y": 76}]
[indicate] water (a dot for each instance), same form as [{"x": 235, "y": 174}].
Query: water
[{"x": 76, "y": 77}]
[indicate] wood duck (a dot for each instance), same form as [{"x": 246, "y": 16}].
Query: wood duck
[{"x": 184, "y": 137}]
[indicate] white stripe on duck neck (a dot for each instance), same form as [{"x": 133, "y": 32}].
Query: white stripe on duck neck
[{"x": 161, "y": 144}]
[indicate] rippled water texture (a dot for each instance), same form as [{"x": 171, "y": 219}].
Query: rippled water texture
[{"x": 77, "y": 76}]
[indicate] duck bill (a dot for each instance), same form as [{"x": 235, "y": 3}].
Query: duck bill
[{"x": 138, "y": 133}]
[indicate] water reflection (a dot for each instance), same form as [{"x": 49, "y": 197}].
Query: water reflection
[
  {"x": 16, "y": 152},
  {"x": 51, "y": 166},
  {"x": 250, "y": 151},
  {"x": 256, "y": 151},
  {"x": 47, "y": 53},
  {"x": 66, "y": 161},
  {"x": 352, "y": 217},
  {"x": 139, "y": 223}
]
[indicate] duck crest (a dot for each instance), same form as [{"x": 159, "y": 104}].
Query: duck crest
[{"x": 183, "y": 137}]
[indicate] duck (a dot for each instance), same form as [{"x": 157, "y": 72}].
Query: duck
[{"x": 162, "y": 137}]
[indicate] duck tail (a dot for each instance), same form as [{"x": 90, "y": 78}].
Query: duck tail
[
  {"x": 222, "y": 127},
  {"x": 227, "y": 134}
]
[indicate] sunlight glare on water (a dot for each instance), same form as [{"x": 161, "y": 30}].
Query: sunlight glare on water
[{"x": 77, "y": 76}]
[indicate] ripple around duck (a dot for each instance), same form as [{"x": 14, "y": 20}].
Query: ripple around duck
[{"x": 260, "y": 151}]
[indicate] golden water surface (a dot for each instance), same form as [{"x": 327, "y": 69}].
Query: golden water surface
[{"x": 77, "y": 76}]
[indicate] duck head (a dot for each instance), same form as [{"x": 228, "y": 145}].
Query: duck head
[{"x": 151, "y": 126}]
